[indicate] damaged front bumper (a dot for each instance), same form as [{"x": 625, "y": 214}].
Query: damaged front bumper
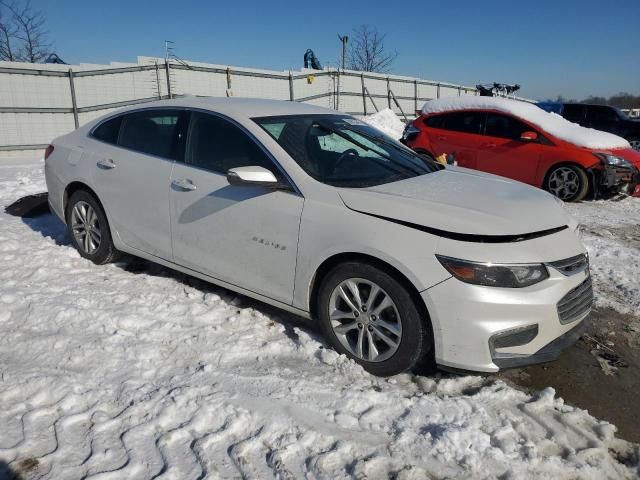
[{"x": 615, "y": 180}]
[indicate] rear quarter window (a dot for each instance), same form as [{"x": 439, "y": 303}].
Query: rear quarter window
[{"x": 108, "y": 131}]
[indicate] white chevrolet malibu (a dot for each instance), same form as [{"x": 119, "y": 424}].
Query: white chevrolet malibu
[{"x": 397, "y": 257}]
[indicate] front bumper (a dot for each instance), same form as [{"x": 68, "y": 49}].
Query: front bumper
[
  {"x": 614, "y": 180},
  {"x": 467, "y": 319},
  {"x": 549, "y": 352}
]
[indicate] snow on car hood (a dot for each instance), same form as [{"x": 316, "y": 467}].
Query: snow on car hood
[
  {"x": 463, "y": 201},
  {"x": 551, "y": 123}
]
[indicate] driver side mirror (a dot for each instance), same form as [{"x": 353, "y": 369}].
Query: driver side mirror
[
  {"x": 529, "y": 137},
  {"x": 254, "y": 176}
]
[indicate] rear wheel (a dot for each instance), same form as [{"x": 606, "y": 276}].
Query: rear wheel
[
  {"x": 89, "y": 229},
  {"x": 369, "y": 316},
  {"x": 567, "y": 182},
  {"x": 635, "y": 143}
]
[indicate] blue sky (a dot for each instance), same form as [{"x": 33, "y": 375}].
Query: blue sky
[{"x": 564, "y": 47}]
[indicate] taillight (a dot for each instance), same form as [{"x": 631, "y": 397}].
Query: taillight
[{"x": 48, "y": 151}]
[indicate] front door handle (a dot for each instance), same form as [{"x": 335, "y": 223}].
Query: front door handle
[
  {"x": 489, "y": 145},
  {"x": 440, "y": 137},
  {"x": 106, "y": 164},
  {"x": 184, "y": 184}
]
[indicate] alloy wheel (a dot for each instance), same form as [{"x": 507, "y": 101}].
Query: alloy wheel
[
  {"x": 564, "y": 183},
  {"x": 85, "y": 227},
  {"x": 365, "y": 320},
  {"x": 635, "y": 144}
]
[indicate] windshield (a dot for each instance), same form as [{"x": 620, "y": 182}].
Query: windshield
[{"x": 344, "y": 151}]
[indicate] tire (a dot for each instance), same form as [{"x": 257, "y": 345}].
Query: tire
[
  {"x": 567, "y": 182},
  {"x": 402, "y": 320},
  {"x": 91, "y": 224}
]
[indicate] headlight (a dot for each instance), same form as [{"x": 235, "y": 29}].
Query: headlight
[
  {"x": 410, "y": 131},
  {"x": 613, "y": 160},
  {"x": 494, "y": 274}
]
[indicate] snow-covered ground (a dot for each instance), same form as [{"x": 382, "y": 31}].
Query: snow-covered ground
[{"x": 133, "y": 371}]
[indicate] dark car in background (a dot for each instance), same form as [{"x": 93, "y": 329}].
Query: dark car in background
[{"x": 601, "y": 117}]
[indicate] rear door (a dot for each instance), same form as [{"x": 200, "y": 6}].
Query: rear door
[
  {"x": 503, "y": 153},
  {"x": 243, "y": 235},
  {"x": 458, "y": 134},
  {"x": 132, "y": 169}
]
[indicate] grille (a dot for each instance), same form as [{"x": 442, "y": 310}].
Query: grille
[
  {"x": 573, "y": 265},
  {"x": 576, "y": 303}
]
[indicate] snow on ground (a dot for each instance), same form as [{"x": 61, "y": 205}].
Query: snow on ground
[
  {"x": 133, "y": 371},
  {"x": 387, "y": 121},
  {"x": 611, "y": 233}
]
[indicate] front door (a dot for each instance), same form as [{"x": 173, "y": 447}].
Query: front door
[
  {"x": 503, "y": 153},
  {"x": 243, "y": 235}
]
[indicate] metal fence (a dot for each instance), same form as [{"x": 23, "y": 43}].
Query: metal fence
[{"x": 40, "y": 102}]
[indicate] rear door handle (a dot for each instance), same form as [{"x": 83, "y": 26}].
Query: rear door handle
[
  {"x": 489, "y": 145},
  {"x": 440, "y": 137},
  {"x": 184, "y": 184},
  {"x": 106, "y": 163}
]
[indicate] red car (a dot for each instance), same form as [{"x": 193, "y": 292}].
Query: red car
[{"x": 519, "y": 140}]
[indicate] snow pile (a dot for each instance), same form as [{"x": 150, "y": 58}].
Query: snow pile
[
  {"x": 131, "y": 370},
  {"x": 552, "y": 123},
  {"x": 611, "y": 233},
  {"x": 386, "y": 121}
]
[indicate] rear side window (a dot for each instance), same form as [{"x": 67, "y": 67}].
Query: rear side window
[
  {"x": 465, "y": 122},
  {"x": 434, "y": 122},
  {"x": 153, "y": 132},
  {"x": 504, "y": 126},
  {"x": 573, "y": 113},
  {"x": 217, "y": 145},
  {"x": 108, "y": 131}
]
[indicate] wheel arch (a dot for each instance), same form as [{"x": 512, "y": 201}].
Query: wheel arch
[
  {"x": 549, "y": 168},
  {"x": 325, "y": 267},
  {"x": 73, "y": 187}
]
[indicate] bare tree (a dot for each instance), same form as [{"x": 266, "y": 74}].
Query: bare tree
[
  {"x": 8, "y": 31},
  {"x": 368, "y": 52},
  {"x": 23, "y": 35}
]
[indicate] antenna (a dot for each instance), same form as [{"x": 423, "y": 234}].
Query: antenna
[{"x": 344, "y": 39}]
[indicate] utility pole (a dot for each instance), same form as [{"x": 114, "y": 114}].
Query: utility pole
[
  {"x": 344, "y": 39},
  {"x": 167, "y": 50}
]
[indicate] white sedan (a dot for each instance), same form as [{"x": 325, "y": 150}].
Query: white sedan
[{"x": 397, "y": 257}]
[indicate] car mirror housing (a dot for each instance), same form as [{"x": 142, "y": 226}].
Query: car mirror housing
[
  {"x": 529, "y": 137},
  {"x": 253, "y": 176}
]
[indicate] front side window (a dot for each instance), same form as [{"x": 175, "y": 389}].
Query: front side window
[
  {"x": 153, "y": 132},
  {"x": 504, "y": 126},
  {"x": 602, "y": 114},
  {"x": 465, "y": 122},
  {"x": 217, "y": 145},
  {"x": 344, "y": 151}
]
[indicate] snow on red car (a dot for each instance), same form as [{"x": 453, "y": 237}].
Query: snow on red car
[{"x": 519, "y": 140}]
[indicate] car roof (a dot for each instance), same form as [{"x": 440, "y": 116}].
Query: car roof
[{"x": 243, "y": 107}]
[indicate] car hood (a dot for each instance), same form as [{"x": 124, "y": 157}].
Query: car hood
[{"x": 461, "y": 201}]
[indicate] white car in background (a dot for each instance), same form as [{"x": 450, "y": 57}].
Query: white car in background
[{"x": 398, "y": 258}]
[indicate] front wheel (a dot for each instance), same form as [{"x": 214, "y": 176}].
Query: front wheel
[
  {"x": 635, "y": 144},
  {"x": 567, "y": 182},
  {"x": 369, "y": 316}
]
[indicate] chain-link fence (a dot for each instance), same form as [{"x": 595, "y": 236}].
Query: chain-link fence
[{"x": 40, "y": 102}]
